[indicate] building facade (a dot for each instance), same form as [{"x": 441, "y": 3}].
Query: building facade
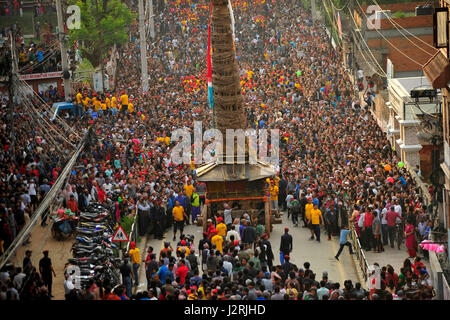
[{"x": 437, "y": 70}]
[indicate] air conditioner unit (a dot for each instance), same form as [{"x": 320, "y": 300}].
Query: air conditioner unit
[
  {"x": 383, "y": 14},
  {"x": 424, "y": 10}
]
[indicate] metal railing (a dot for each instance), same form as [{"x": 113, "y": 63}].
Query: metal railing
[
  {"x": 133, "y": 234},
  {"x": 359, "y": 252}
]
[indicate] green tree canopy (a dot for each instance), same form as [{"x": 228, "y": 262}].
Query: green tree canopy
[{"x": 103, "y": 24}]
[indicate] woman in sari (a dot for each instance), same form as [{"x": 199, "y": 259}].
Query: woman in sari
[{"x": 410, "y": 237}]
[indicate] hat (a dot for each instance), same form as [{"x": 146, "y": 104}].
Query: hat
[
  {"x": 264, "y": 235},
  {"x": 45, "y": 251},
  {"x": 286, "y": 229},
  {"x": 205, "y": 233},
  {"x": 213, "y": 231},
  {"x": 236, "y": 243},
  {"x": 132, "y": 245},
  {"x": 183, "y": 243},
  {"x": 219, "y": 219},
  {"x": 309, "y": 198},
  {"x": 286, "y": 256}
]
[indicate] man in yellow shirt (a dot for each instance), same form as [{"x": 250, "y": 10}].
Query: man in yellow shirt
[
  {"x": 221, "y": 227},
  {"x": 217, "y": 241},
  {"x": 86, "y": 103},
  {"x": 79, "y": 104},
  {"x": 189, "y": 188},
  {"x": 178, "y": 215},
  {"x": 273, "y": 189},
  {"x": 79, "y": 98},
  {"x": 130, "y": 107},
  {"x": 113, "y": 102},
  {"x": 308, "y": 207},
  {"x": 108, "y": 101},
  {"x": 135, "y": 261},
  {"x": 316, "y": 219},
  {"x": 123, "y": 101},
  {"x": 96, "y": 104}
]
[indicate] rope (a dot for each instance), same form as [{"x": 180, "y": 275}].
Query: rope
[
  {"x": 393, "y": 46},
  {"x": 395, "y": 24},
  {"x": 367, "y": 46}
]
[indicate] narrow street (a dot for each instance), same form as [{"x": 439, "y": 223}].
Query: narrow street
[{"x": 319, "y": 255}]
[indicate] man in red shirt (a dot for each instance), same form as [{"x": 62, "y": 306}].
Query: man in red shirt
[
  {"x": 367, "y": 233},
  {"x": 72, "y": 204},
  {"x": 182, "y": 271},
  {"x": 391, "y": 216},
  {"x": 210, "y": 228}
]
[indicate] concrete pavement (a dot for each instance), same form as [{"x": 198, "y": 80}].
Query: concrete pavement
[
  {"x": 319, "y": 255},
  {"x": 59, "y": 252}
]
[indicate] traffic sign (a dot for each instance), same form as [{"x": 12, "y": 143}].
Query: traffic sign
[{"x": 120, "y": 235}]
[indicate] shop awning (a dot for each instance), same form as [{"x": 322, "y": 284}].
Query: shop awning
[{"x": 437, "y": 70}]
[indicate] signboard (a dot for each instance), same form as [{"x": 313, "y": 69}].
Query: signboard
[
  {"x": 389, "y": 69},
  {"x": 39, "y": 76},
  {"x": 44, "y": 86},
  {"x": 98, "y": 81},
  {"x": 120, "y": 235}
]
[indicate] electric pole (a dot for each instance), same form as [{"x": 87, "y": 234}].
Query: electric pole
[
  {"x": 143, "y": 45},
  {"x": 62, "y": 45},
  {"x": 12, "y": 80},
  {"x": 313, "y": 10},
  {"x": 151, "y": 20}
]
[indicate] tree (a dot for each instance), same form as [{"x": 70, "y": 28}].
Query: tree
[{"x": 103, "y": 24}]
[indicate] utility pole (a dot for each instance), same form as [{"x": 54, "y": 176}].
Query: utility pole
[
  {"x": 143, "y": 45},
  {"x": 151, "y": 19},
  {"x": 12, "y": 78},
  {"x": 313, "y": 10},
  {"x": 62, "y": 45}
]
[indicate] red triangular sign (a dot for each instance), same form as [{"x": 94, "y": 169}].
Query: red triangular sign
[{"x": 120, "y": 235}]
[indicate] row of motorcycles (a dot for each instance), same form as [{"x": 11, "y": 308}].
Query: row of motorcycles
[{"x": 93, "y": 250}]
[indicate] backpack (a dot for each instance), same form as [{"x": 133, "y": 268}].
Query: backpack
[{"x": 296, "y": 206}]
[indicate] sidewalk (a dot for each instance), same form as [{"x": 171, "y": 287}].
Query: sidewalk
[{"x": 392, "y": 256}]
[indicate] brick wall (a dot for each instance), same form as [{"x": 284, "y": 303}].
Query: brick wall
[
  {"x": 401, "y": 63},
  {"x": 394, "y": 7},
  {"x": 407, "y": 22}
]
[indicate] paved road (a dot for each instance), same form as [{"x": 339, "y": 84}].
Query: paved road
[
  {"x": 319, "y": 255},
  {"x": 59, "y": 251}
]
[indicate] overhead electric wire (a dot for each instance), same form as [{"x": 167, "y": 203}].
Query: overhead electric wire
[
  {"x": 64, "y": 124},
  {"x": 392, "y": 45},
  {"x": 49, "y": 197},
  {"x": 367, "y": 46},
  {"x": 340, "y": 9},
  {"x": 33, "y": 109},
  {"x": 395, "y": 24}
]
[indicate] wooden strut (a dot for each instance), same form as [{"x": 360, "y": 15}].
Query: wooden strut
[{"x": 207, "y": 201}]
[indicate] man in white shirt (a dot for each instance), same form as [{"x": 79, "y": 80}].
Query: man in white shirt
[
  {"x": 18, "y": 279},
  {"x": 108, "y": 186},
  {"x": 397, "y": 208},
  {"x": 360, "y": 74},
  {"x": 233, "y": 232},
  {"x": 288, "y": 203},
  {"x": 68, "y": 284}
]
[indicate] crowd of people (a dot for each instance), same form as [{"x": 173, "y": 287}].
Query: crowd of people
[{"x": 335, "y": 162}]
